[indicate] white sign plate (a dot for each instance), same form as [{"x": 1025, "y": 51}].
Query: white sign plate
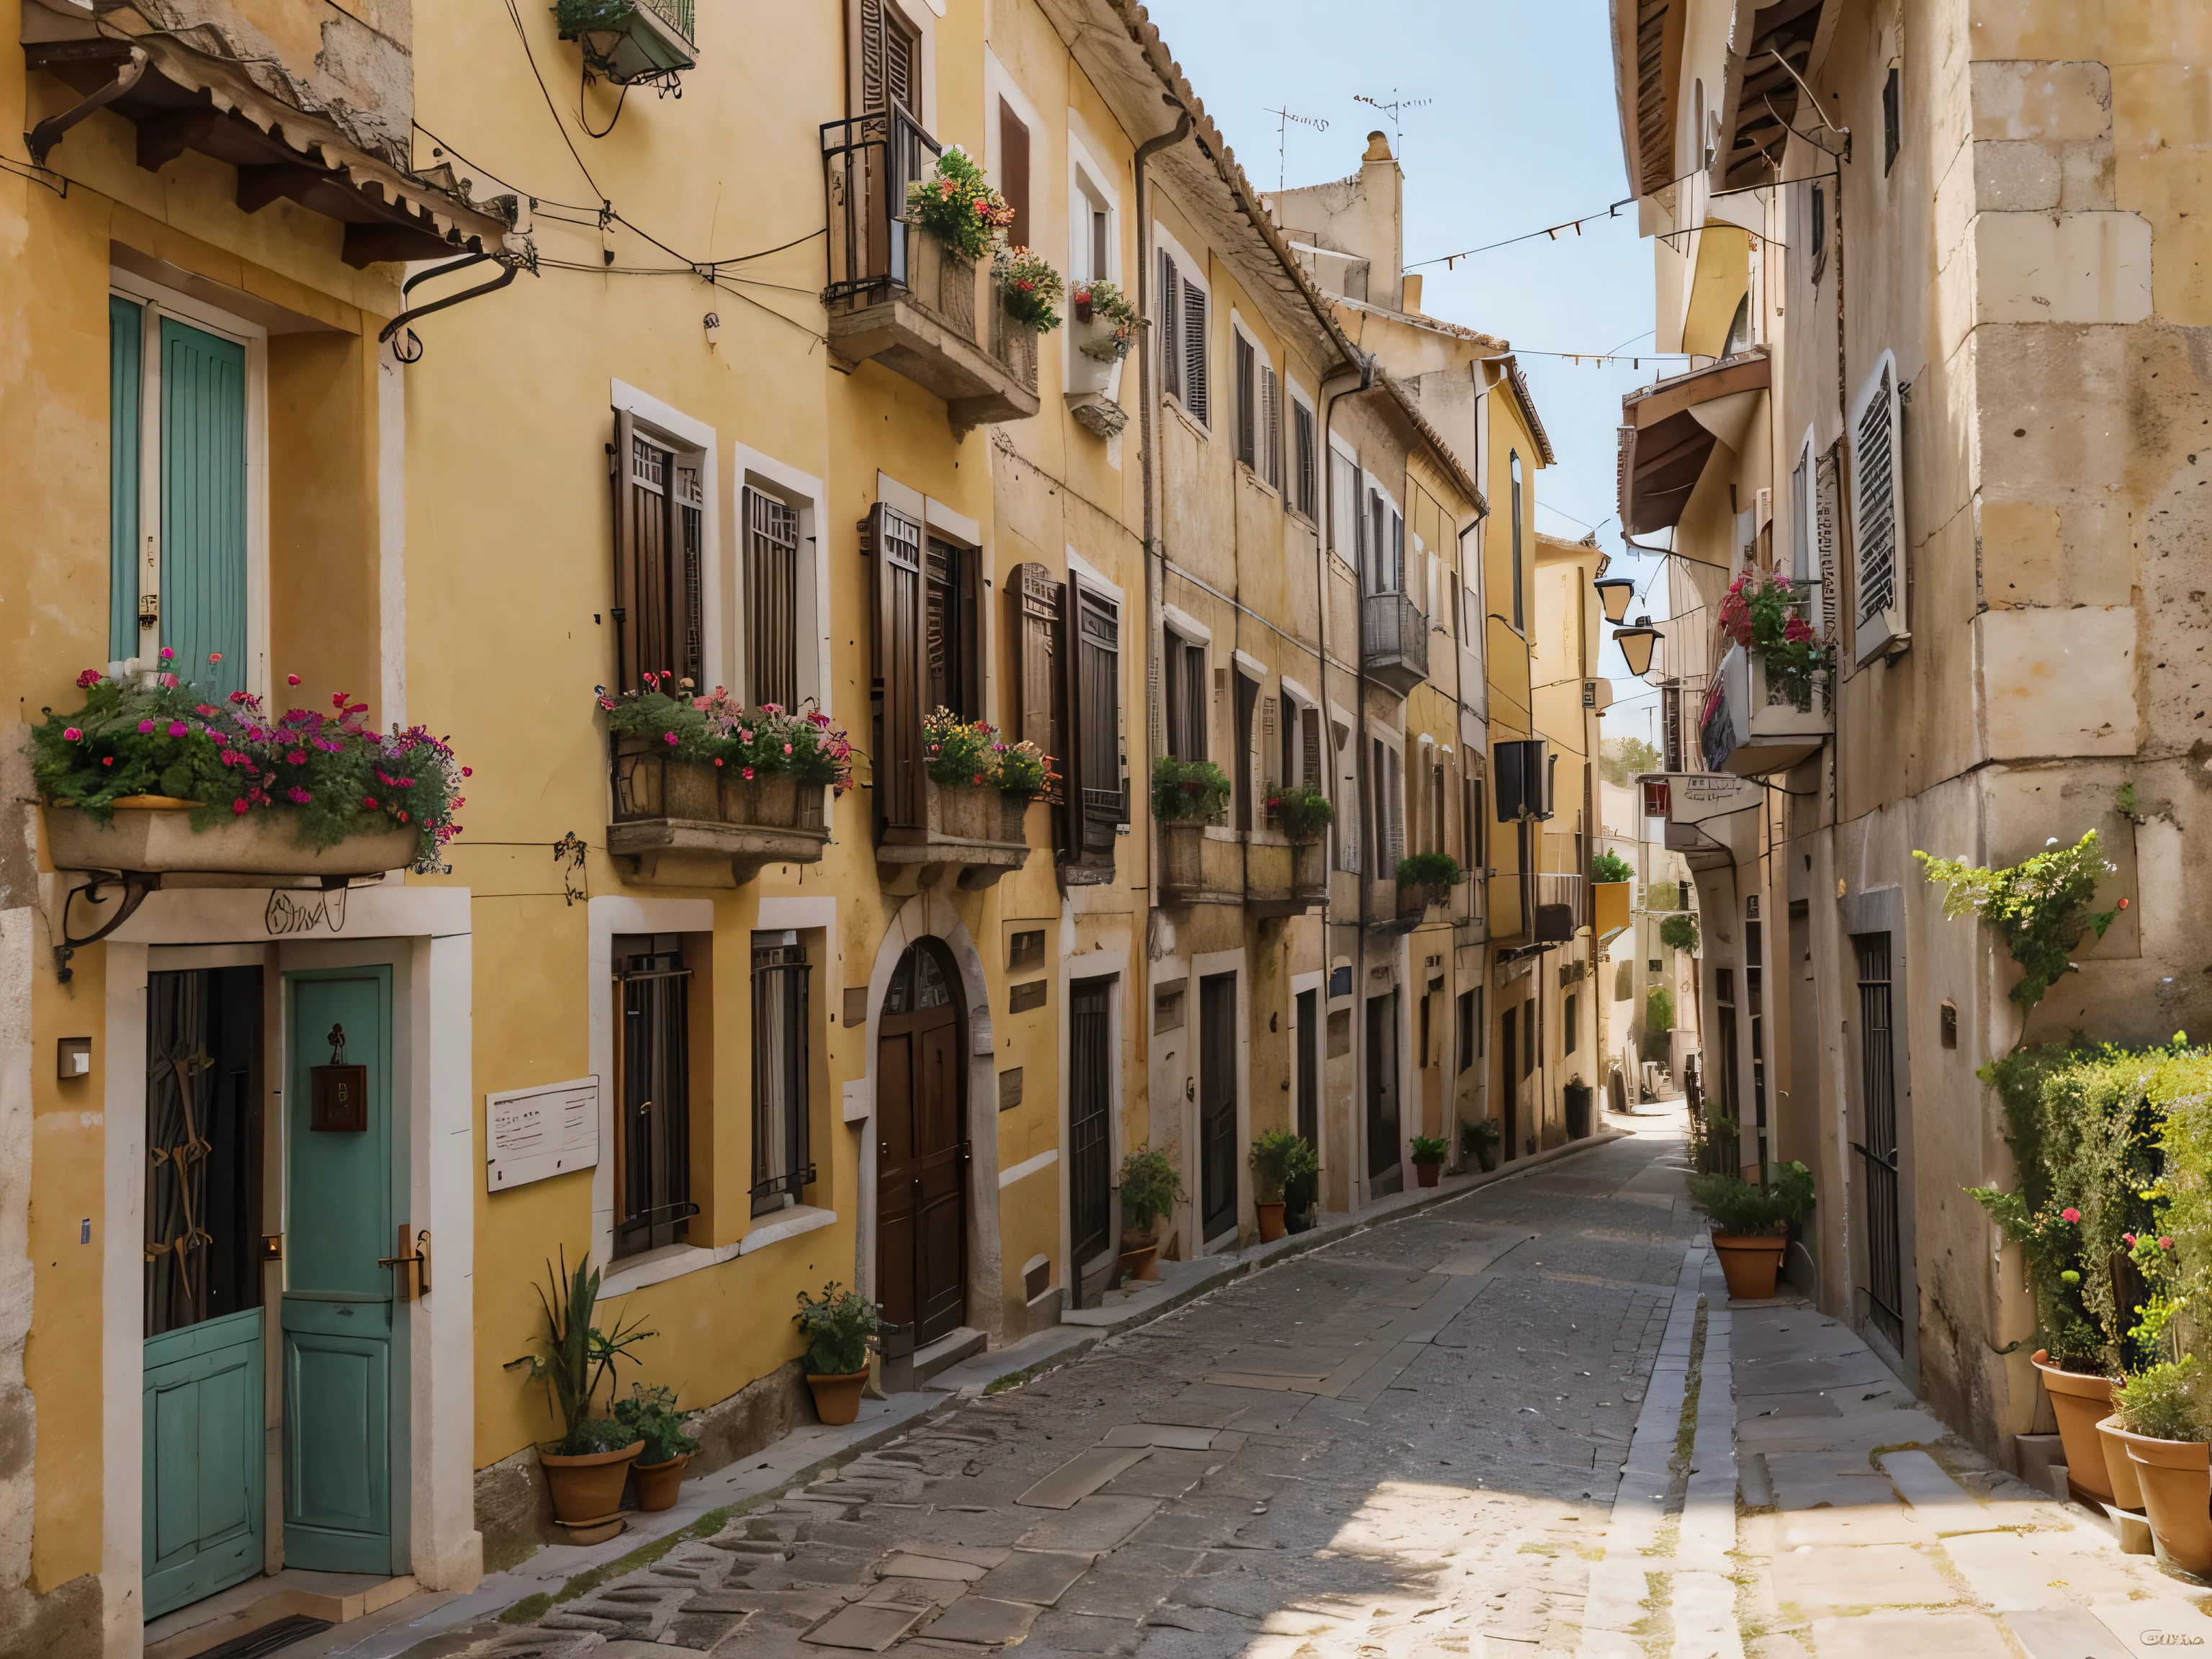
[{"x": 531, "y": 1134}]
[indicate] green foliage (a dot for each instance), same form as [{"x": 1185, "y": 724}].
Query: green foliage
[
  {"x": 330, "y": 776},
  {"x": 1302, "y": 810},
  {"x": 1277, "y": 1159},
  {"x": 1186, "y": 791},
  {"x": 1483, "y": 1132},
  {"x": 1680, "y": 933},
  {"x": 1429, "y": 869},
  {"x": 650, "y": 1414},
  {"x": 1609, "y": 866},
  {"x": 1747, "y": 1210},
  {"x": 957, "y": 204},
  {"x": 2125, "y": 801},
  {"x": 837, "y": 1326},
  {"x": 1619, "y": 760},
  {"x": 1715, "y": 1141},
  {"x": 1103, "y": 302},
  {"x": 1031, "y": 288},
  {"x": 575, "y": 17},
  {"x": 2165, "y": 1401},
  {"x": 1430, "y": 1149},
  {"x": 577, "y": 1357},
  {"x": 717, "y": 729},
  {"x": 2040, "y": 907},
  {"x": 1658, "y": 1009},
  {"x": 1150, "y": 1187}
]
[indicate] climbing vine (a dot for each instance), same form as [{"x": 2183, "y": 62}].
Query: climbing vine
[{"x": 2040, "y": 907}]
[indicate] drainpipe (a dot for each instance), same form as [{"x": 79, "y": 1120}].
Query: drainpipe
[{"x": 1340, "y": 380}]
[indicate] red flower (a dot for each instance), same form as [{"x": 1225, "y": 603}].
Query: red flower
[
  {"x": 291, "y": 679},
  {"x": 2069, "y": 1215},
  {"x": 90, "y": 677}
]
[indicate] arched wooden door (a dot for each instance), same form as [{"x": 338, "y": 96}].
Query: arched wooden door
[{"x": 921, "y": 1153}]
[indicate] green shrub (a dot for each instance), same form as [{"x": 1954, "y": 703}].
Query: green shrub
[
  {"x": 1303, "y": 811},
  {"x": 2166, "y": 1403},
  {"x": 1185, "y": 792},
  {"x": 1747, "y": 1210},
  {"x": 1611, "y": 867},
  {"x": 1680, "y": 933},
  {"x": 1430, "y": 1149},
  {"x": 1277, "y": 1159},
  {"x": 2040, "y": 907},
  {"x": 1483, "y": 1132},
  {"x": 838, "y": 1328},
  {"x": 1658, "y": 1009},
  {"x": 1150, "y": 1187},
  {"x": 650, "y": 1414},
  {"x": 1429, "y": 869}
]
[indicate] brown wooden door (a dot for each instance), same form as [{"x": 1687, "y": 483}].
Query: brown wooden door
[
  {"x": 1217, "y": 1104},
  {"x": 921, "y": 1157}
]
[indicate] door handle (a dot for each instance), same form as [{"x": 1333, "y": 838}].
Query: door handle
[{"x": 413, "y": 1262}]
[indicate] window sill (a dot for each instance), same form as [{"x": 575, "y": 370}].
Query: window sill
[
  {"x": 658, "y": 1267},
  {"x": 1175, "y": 406}
]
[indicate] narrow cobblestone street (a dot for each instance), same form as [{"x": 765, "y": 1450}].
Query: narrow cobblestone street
[{"x": 1385, "y": 1445}]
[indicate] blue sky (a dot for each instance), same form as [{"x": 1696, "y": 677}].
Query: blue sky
[{"x": 1520, "y": 133}]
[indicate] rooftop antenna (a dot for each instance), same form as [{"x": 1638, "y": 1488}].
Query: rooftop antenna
[
  {"x": 1283, "y": 119},
  {"x": 1391, "y": 109}
]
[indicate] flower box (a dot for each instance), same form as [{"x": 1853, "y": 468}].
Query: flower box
[
  {"x": 981, "y": 833},
  {"x": 152, "y": 834},
  {"x": 651, "y": 783}
]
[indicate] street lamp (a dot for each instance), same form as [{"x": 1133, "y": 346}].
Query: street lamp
[
  {"x": 1613, "y": 593},
  {"x": 1636, "y": 645}
]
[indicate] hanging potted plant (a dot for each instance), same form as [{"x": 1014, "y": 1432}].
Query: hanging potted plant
[
  {"x": 1186, "y": 796},
  {"x": 650, "y": 1413},
  {"x": 1105, "y": 328},
  {"x": 587, "y": 1467},
  {"x": 1031, "y": 287},
  {"x": 1277, "y": 1159},
  {"x": 2161, "y": 1417},
  {"x": 965, "y": 220},
  {"x": 839, "y": 1326},
  {"x": 1429, "y": 1154},
  {"x": 1150, "y": 1187},
  {"x": 979, "y": 786},
  {"x": 1752, "y": 1223},
  {"x": 1479, "y": 1141}
]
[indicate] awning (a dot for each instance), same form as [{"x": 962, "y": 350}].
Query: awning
[
  {"x": 1668, "y": 429},
  {"x": 187, "y": 99}
]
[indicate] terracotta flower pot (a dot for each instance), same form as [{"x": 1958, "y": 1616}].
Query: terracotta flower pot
[
  {"x": 837, "y": 1395},
  {"x": 588, "y": 1488},
  {"x": 1142, "y": 1263},
  {"x": 1427, "y": 1174},
  {"x": 2119, "y": 1467},
  {"x": 2080, "y": 1402},
  {"x": 1271, "y": 1222},
  {"x": 1750, "y": 1265},
  {"x": 658, "y": 1484},
  {"x": 2176, "y": 1477}
]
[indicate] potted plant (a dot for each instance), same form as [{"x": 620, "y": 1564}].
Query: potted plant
[
  {"x": 839, "y": 1325},
  {"x": 1186, "y": 796},
  {"x": 155, "y": 774},
  {"x": 650, "y": 1413},
  {"x": 981, "y": 786},
  {"x": 2161, "y": 1416},
  {"x": 1302, "y": 1196},
  {"x": 1429, "y": 1154},
  {"x": 1277, "y": 1159},
  {"x": 1150, "y": 1187},
  {"x": 1105, "y": 327},
  {"x": 1031, "y": 288},
  {"x": 1479, "y": 1141},
  {"x": 1765, "y": 615},
  {"x": 1304, "y": 814},
  {"x": 586, "y": 1468},
  {"x": 1426, "y": 879},
  {"x": 1752, "y": 1223},
  {"x": 712, "y": 759}
]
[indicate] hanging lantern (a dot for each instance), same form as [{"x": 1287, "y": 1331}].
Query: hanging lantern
[
  {"x": 1613, "y": 593},
  {"x": 1636, "y": 644}
]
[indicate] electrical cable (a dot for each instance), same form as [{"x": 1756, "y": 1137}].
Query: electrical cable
[{"x": 515, "y": 16}]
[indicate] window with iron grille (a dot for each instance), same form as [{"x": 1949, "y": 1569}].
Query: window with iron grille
[
  {"x": 1302, "y": 429},
  {"x": 783, "y": 1164},
  {"x": 653, "y": 1184},
  {"x": 771, "y": 598},
  {"x": 659, "y": 553}
]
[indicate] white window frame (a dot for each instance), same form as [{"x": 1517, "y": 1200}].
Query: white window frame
[
  {"x": 156, "y": 302},
  {"x": 805, "y": 494},
  {"x": 686, "y": 435},
  {"x": 1891, "y": 628},
  {"x": 1332, "y": 507},
  {"x": 1191, "y": 271},
  {"x": 1089, "y": 181},
  {"x": 1296, "y": 703}
]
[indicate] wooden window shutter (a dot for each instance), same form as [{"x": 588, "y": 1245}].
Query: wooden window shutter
[
  {"x": 126, "y": 330},
  {"x": 1394, "y": 805},
  {"x": 1878, "y": 514},
  {"x": 1397, "y": 551},
  {"x": 1036, "y": 601},
  {"x": 1827, "y": 507},
  {"x": 1349, "y": 815},
  {"x": 623, "y": 611},
  {"x": 657, "y": 560},
  {"x": 895, "y": 541},
  {"x": 1270, "y": 412},
  {"x": 688, "y": 514},
  {"x": 1247, "y": 416},
  {"x": 1014, "y": 171},
  {"x": 1196, "y": 387},
  {"x": 771, "y": 598},
  {"x": 889, "y": 60},
  {"x": 1092, "y": 652},
  {"x": 1170, "y": 328},
  {"x": 1309, "y": 735}
]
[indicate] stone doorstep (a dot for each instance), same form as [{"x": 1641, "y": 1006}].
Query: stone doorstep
[{"x": 337, "y": 1609}]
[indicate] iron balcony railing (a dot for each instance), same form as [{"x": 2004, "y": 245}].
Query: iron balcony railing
[
  {"x": 870, "y": 159},
  {"x": 677, "y": 13},
  {"x": 1392, "y": 632}
]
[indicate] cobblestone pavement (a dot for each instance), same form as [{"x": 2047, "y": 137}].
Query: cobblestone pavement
[{"x": 1402, "y": 1443}]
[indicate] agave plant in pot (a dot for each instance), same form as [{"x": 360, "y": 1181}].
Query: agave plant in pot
[
  {"x": 587, "y": 1467},
  {"x": 839, "y": 1326},
  {"x": 1150, "y": 1187},
  {"x": 1751, "y": 1225},
  {"x": 664, "y": 1449},
  {"x": 1278, "y": 1158}
]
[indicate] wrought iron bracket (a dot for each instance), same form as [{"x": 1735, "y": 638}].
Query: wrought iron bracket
[
  {"x": 41, "y": 139},
  {"x": 135, "y": 886}
]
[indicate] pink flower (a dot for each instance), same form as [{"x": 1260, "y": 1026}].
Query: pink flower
[
  {"x": 369, "y": 800},
  {"x": 299, "y": 795},
  {"x": 297, "y": 757},
  {"x": 2127, "y": 1238},
  {"x": 743, "y": 736},
  {"x": 338, "y": 699},
  {"x": 239, "y": 808},
  {"x": 146, "y": 726},
  {"x": 214, "y": 656},
  {"x": 748, "y": 775},
  {"x": 2069, "y": 1215},
  {"x": 167, "y": 653},
  {"x": 71, "y": 733},
  {"x": 89, "y": 679},
  {"x": 670, "y": 738},
  {"x": 718, "y": 760},
  {"x": 2165, "y": 1243},
  {"x": 786, "y": 748},
  {"x": 291, "y": 679},
  {"x": 178, "y": 729},
  {"x": 170, "y": 681}
]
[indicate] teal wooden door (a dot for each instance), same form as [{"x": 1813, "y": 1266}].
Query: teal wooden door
[
  {"x": 203, "y": 505},
  {"x": 205, "y": 1379},
  {"x": 126, "y": 326},
  {"x": 340, "y": 1369},
  {"x": 203, "y": 1490}
]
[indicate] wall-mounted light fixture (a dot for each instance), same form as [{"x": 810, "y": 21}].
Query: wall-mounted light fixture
[
  {"x": 1636, "y": 644},
  {"x": 1613, "y": 593},
  {"x": 713, "y": 321}
]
